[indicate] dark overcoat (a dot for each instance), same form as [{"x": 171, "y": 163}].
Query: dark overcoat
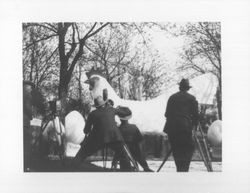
[
  {"x": 101, "y": 124},
  {"x": 181, "y": 112},
  {"x": 130, "y": 133},
  {"x": 182, "y": 116},
  {"x": 133, "y": 137}
]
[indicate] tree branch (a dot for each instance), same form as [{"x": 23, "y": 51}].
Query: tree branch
[
  {"x": 52, "y": 26},
  {"x": 43, "y": 26},
  {"x": 41, "y": 39},
  {"x": 99, "y": 29},
  {"x": 51, "y": 55},
  {"x": 92, "y": 51},
  {"x": 86, "y": 35},
  {"x": 209, "y": 57},
  {"x": 77, "y": 56},
  {"x": 62, "y": 30},
  {"x": 73, "y": 46}
]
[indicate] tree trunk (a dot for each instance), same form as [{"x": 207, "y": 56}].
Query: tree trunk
[
  {"x": 63, "y": 92},
  {"x": 119, "y": 83},
  {"x": 219, "y": 98},
  {"x": 79, "y": 83},
  {"x": 32, "y": 59},
  {"x": 32, "y": 63},
  {"x": 219, "y": 103}
]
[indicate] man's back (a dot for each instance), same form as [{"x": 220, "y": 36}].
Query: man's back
[
  {"x": 182, "y": 115},
  {"x": 104, "y": 128},
  {"x": 130, "y": 133},
  {"x": 182, "y": 105}
]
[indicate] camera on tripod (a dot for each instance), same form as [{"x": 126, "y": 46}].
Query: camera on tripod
[{"x": 55, "y": 106}]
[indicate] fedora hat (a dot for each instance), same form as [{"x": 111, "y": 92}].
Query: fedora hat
[
  {"x": 98, "y": 101},
  {"x": 184, "y": 83}
]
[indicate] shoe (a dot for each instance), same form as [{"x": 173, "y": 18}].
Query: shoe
[{"x": 148, "y": 170}]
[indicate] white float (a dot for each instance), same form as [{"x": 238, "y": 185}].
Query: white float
[
  {"x": 149, "y": 115},
  {"x": 72, "y": 132},
  {"x": 214, "y": 133}
]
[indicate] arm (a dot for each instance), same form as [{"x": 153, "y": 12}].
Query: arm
[
  {"x": 38, "y": 101},
  {"x": 169, "y": 107},
  {"x": 138, "y": 136},
  {"x": 88, "y": 124},
  {"x": 27, "y": 104},
  {"x": 195, "y": 113}
]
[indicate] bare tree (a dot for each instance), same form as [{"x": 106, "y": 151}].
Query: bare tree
[
  {"x": 202, "y": 52},
  {"x": 111, "y": 52},
  {"x": 88, "y": 45},
  {"x": 69, "y": 59},
  {"x": 71, "y": 39},
  {"x": 146, "y": 81},
  {"x": 39, "y": 59}
]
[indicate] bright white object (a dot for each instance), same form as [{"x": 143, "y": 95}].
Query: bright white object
[
  {"x": 149, "y": 115},
  {"x": 36, "y": 122},
  {"x": 72, "y": 134},
  {"x": 214, "y": 133},
  {"x": 74, "y": 125},
  {"x": 71, "y": 149}
]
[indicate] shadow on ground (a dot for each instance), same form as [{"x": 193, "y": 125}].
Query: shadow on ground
[{"x": 47, "y": 165}]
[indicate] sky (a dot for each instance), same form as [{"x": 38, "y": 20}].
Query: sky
[{"x": 169, "y": 47}]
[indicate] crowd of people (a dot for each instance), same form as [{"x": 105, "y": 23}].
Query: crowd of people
[{"x": 101, "y": 130}]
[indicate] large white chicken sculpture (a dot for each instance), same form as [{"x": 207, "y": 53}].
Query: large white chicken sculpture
[{"x": 149, "y": 115}]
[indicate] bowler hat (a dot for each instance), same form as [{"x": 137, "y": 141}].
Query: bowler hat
[
  {"x": 129, "y": 115},
  {"x": 185, "y": 83},
  {"x": 99, "y": 101}
]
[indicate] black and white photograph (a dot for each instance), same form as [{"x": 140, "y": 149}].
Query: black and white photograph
[{"x": 124, "y": 96}]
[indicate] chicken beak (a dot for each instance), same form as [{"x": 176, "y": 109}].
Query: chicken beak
[{"x": 87, "y": 81}]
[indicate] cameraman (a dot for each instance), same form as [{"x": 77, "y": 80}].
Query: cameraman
[{"x": 102, "y": 132}]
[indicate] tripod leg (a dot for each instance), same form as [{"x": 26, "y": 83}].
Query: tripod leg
[
  {"x": 207, "y": 155},
  {"x": 130, "y": 157},
  {"x": 201, "y": 152},
  {"x": 209, "y": 160},
  {"x": 62, "y": 147},
  {"x": 114, "y": 162},
  {"x": 165, "y": 159},
  {"x": 104, "y": 157}
]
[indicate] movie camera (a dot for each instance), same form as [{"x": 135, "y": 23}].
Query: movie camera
[{"x": 55, "y": 106}]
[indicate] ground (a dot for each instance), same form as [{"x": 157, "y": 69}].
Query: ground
[
  {"x": 56, "y": 165},
  {"x": 169, "y": 166}
]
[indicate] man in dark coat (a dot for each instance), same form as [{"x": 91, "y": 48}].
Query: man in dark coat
[
  {"x": 102, "y": 132},
  {"x": 33, "y": 105},
  {"x": 182, "y": 117},
  {"x": 133, "y": 137}
]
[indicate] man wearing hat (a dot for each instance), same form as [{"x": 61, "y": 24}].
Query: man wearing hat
[
  {"x": 132, "y": 137},
  {"x": 102, "y": 132},
  {"x": 182, "y": 117}
]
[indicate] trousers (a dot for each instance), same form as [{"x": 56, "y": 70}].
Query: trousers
[
  {"x": 183, "y": 148},
  {"x": 90, "y": 146}
]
